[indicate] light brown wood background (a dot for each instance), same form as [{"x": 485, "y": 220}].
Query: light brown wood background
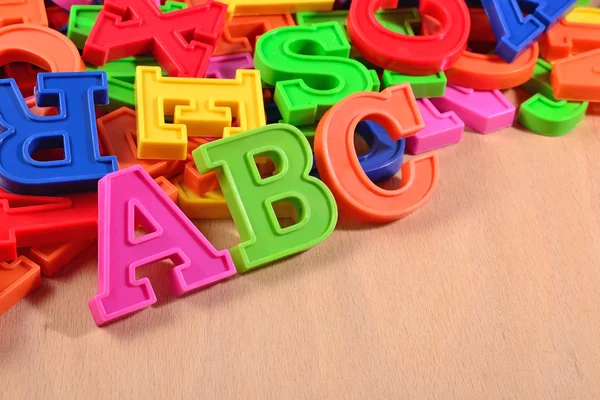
[{"x": 490, "y": 291}]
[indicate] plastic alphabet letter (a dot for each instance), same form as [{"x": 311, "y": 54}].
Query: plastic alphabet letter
[
  {"x": 260, "y": 7},
  {"x": 74, "y": 130},
  {"x": 83, "y": 18},
  {"x": 53, "y": 257},
  {"x": 124, "y": 196},
  {"x": 121, "y": 75},
  {"x": 166, "y": 186},
  {"x": 396, "y": 110},
  {"x": 310, "y": 69},
  {"x": 414, "y": 55},
  {"x": 584, "y": 15},
  {"x": 24, "y": 74},
  {"x": 577, "y": 78},
  {"x": 225, "y": 67},
  {"x": 17, "y": 280},
  {"x": 200, "y": 107},
  {"x": 547, "y": 11},
  {"x": 251, "y": 198},
  {"x": 384, "y": 157},
  {"x": 118, "y": 137},
  {"x": 484, "y": 111},
  {"x": 485, "y": 71},
  {"x": 58, "y": 18},
  {"x": 39, "y": 45},
  {"x": 23, "y": 12},
  {"x": 398, "y": 21},
  {"x": 567, "y": 38},
  {"x": 67, "y": 4},
  {"x": 551, "y": 118},
  {"x": 542, "y": 113},
  {"x": 516, "y": 33},
  {"x": 423, "y": 86},
  {"x": 491, "y": 72},
  {"x": 212, "y": 204},
  {"x": 440, "y": 129},
  {"x": 27, "y": 221},
  {"x": 241, "y": 33},
  {"x": 181, "y": 41},
  {"x": 382, "y": 161},
  {"x": 197, "y": 182}
]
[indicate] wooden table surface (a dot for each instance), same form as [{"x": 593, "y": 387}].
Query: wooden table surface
[{"x": 490, "y": 291}]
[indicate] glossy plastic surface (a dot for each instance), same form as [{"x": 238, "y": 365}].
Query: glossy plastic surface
[
  {"x": 567, "y": 38},
  {"x": 484, "y": 111},
  {"x": 17, "y": 279},
  {"x": 181, "y": 41},
  {"x": 67, "y": 4},
  {"x": 117, "y": 135},
  {"x": 73, "y": 129},
  {"x": 516, "y": 33},
  {"x": 23, "y": 12},
  {"x": 83, "y": 18},
  {"x": 130, "y": 196},
  {"x": 441, "y": 129},
  {"x": 395, "y": 109},
  {"x": 53, "y": 257},
  {"x": 419, "y": 55},
  {"x": 200, "y": 107},
  {"x": 39, "y": 45},
  {"x": 310, "y": 69},
  {"x": 251, "y": 198},
  {"x": 261, "y": 7},
  {"x": 242, "y": 32},
  {"x": 121, "y": 75},
  {"x": 577, "y": 78},
  {"x": 551, "y": 118},
  {"x": 486, "y": 71},
  {"x": 27, "y": 221},
  {"x": 225, "y": 67}
]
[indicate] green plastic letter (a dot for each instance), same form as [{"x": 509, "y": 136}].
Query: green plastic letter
[
  {"x": 398, "y": 21},
  {"x": 250, "y": 198},
  {"x": 543, "y": 113},
  {"x": 310, "y": 69},
  {"x": 121, "y": 76}
]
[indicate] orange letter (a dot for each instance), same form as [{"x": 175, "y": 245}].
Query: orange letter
[{"x": 396, "y": 110}]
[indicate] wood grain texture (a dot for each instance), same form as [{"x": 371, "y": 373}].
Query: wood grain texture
[{"x": 491, "y": 291}]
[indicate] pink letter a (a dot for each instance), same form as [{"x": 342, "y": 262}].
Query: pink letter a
[{"x": 131, "y": 193}]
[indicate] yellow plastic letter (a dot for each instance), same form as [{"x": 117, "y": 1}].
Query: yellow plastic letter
[
  {"x": 260, "y": 7},
  {"x": 200, "y": 107}
]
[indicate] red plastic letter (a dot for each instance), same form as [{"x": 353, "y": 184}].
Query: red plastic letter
[
  {"x": 131, "y": 193},
  {"x": 415, "y": 55},
  {"x": 396, "y": 110},
  {"x": 181, "y": 41},
  {"x": 31, "y": 220}
]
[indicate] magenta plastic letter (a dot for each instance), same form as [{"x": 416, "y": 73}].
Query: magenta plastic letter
[
  {"x": 485, "y": 111},
  {"x": 224, "y": 67},
  {"x": 129, "y": 196},
  {"x": 440, "y": 129}
]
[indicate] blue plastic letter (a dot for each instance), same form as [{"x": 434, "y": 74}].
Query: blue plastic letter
[
  {"x": 384, "y": 158},
  {"x": 73, "y": 130},
  {"x": 516, "y": 33},
  {"x": 547, "y": 11}
]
